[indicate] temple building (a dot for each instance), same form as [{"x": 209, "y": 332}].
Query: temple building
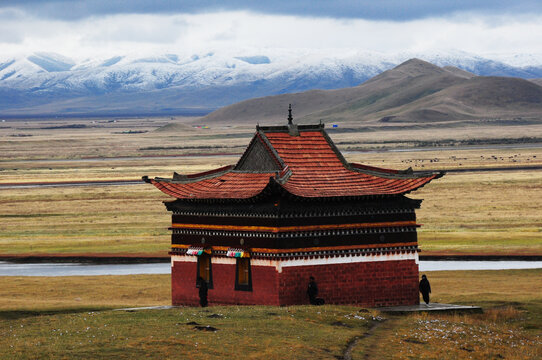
[{"x": 293, "y": 207}]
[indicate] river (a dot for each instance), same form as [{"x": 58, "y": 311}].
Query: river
[{"x": 77, "y": 269}]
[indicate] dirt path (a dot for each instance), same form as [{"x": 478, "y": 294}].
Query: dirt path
[{"x": 370, "y": 339}]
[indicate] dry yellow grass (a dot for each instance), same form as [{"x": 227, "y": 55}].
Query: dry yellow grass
[
  {"x": 482, "y": 212},
  {"x": 487, "y": 287},
  {"x": 491, "y": 336},
  {"x": 376, "y": 136},
  {"x": 460, "y": 213},
  {"x": 70, "y": 318},
  {"x": 72, "y": 292},
  {"x": 115, "y": 169},
  {"x": 130, "y": 219},
  {"x": 460, "y": 158},
  {"x": 105, "y": 139},
  {"x": 509, "y": 327}
]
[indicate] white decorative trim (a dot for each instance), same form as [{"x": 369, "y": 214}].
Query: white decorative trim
[
  {"x": 183, "y": 258},
  {"x": 194, "y": 259},
  {"x": 279, "y": 264},
  {"x": 225, "y": 260},
  {"x": 351, "y": 259}
]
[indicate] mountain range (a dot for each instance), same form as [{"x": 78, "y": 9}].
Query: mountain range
[
  {"x": 414, "y": 92},
  {"x": 45, "y": 84}
]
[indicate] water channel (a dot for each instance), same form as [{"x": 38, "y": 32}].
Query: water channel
[{"x": 78, "y": 269}]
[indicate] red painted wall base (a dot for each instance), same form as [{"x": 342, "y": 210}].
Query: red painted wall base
[{"x": 370, "y": 284}]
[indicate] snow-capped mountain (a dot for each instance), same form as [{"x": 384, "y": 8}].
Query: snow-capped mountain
[{"x": 45, "y": 83}]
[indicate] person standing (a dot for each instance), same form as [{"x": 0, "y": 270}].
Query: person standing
[
  {"x": 202, "y": 284},
  {"x": 312, "y": 291},
  {"x": 425, "y": 289}
]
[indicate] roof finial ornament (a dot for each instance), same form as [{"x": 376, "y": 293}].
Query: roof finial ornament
[{"x": 290, "y": 118}]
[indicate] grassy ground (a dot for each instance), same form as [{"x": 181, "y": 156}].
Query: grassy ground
[
  {"x": 115, "y": 219},
  {"x": 493, "y": 335},
  {"x": 82, "y": 292},
  {"x": 461, "y": 213},
  {"x": 473, "y": 212},
  {"x": 482, "y": 213},
  {"x": 510, "y": 328},
  {"x": 248, "y": 332},
  {"x": 71, "y": 319}
]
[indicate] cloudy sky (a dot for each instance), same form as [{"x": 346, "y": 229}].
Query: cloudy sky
[{"x": 83, "y": 28}]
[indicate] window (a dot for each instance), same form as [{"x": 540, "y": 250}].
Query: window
[
  {"x": 243, "y": 279},
  {"x": 205, "y": 269}
]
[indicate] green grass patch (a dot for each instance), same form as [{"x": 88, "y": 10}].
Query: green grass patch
[
  {"x": 247, "y": 332},
  {"x": 73, "y": 318}
]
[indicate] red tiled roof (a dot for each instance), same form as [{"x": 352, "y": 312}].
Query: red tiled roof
[
  {"x": 315, "y": 169},
  {"x": 226, "y": 186}
]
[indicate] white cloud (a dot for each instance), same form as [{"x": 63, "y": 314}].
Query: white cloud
[
  {"x": 190, "y": 33},
  {"x": 132, "y": 29}
]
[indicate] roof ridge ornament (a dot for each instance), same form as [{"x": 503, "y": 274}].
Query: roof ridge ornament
[
  {"x": 292, "y": 128},
  {"x": 290, "y": 118}
]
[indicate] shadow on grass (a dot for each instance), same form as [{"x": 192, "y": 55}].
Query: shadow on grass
[{"x": 21, "y": 314}]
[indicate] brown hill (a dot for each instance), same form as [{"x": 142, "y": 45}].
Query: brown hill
[
  {"x": 478, "y": 98},
  {"x": 415, "y": 91},
  {"x": 459, "y": 72},
  {"x": 393, "y": 89}
]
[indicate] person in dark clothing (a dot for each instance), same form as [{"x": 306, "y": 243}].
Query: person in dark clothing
[
  {"x": 312, "y": 291},
  {"x": 425, "y": 289},
  {"x": 202, "y": 284}
]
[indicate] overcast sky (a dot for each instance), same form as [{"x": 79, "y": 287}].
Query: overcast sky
[{"x": 81, "y": 29}]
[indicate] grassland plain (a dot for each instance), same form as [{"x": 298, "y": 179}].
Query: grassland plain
[
  {"x": 71, "y": 319},
  {"x": 482, "y": 212},
  {"x": 473, "y": 212}
]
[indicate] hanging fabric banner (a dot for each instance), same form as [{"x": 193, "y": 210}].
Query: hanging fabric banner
[
  {"x": 197, "y": 251},
  {"x": 237, "y": 253}
]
